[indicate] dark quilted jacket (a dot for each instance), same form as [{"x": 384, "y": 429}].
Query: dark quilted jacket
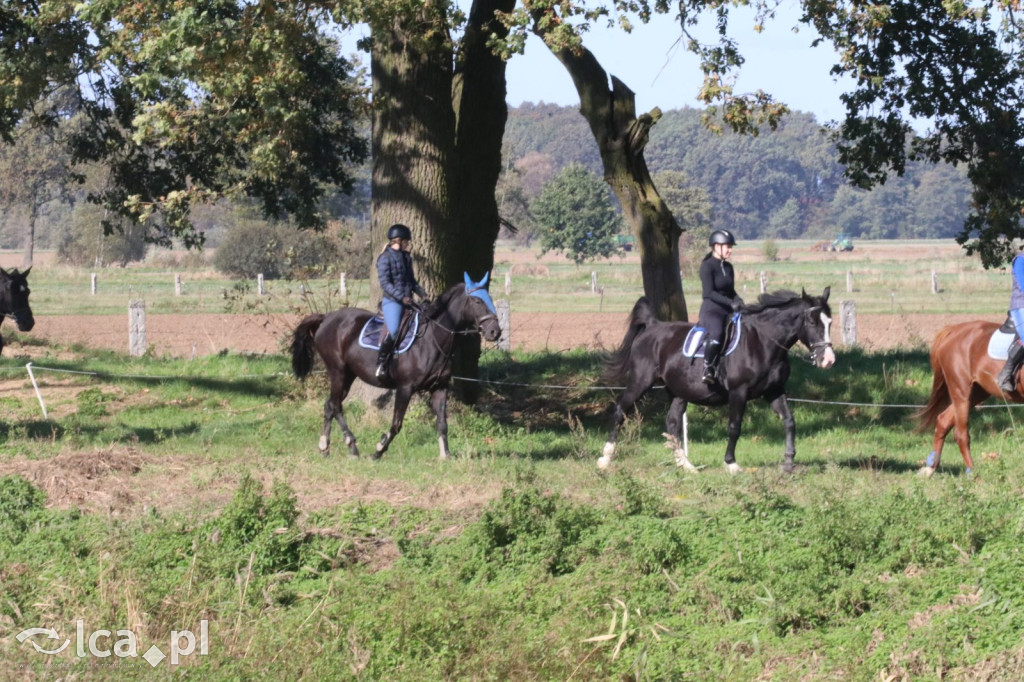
[{"x": 394, "y": 269}]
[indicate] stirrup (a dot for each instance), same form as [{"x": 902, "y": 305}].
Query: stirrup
[
  {"x": 709, "y": 376},
  {"x": 382, "y": 370}
]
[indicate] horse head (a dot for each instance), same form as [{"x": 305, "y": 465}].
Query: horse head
[
  {"x": 480, "y": 309},
  {"x": 14, "y": 293},
  {"x": 817, "y": 328}
]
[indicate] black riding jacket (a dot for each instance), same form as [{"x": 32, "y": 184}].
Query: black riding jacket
[{"x": 717, "y": 281}]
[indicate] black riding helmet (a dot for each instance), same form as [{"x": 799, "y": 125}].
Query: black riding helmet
[
  {"x": 721, "y": 237},
  {"x": 399, "y": 231}
]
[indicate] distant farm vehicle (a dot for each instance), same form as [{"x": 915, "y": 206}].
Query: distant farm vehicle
[
  {"x": 625, "y": 241},
  {"x": 842, "y": 243}
]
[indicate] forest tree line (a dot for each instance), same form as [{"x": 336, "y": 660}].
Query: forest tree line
[{"x": 787, "y": 183}]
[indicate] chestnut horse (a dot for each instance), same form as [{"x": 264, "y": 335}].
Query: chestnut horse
[
  {"x": 963, "y": 376},
  {"x": 427, "y": 366}
]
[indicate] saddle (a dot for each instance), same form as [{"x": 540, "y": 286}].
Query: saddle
[
  {"x": 374, "y": 330},
  {"x": 999, "y": 342},
  {"x": 693, "y": 346}
]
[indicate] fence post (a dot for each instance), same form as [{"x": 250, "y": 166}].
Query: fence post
[
  {"x": 593, "y": 282},
  {"x": 177, "y": 285},
  {"x": 93, "y": 278},
  {"x": 505, "y": 321},
  {"x": 848, "y": 321},
  {"x": 343, "y": 288},
  {"x": 259, "y": 284},
  {"x": 935, "y": 282},
  {"x": 849, "y": 281},
  {"x": 508, "y": 283},
  {"x": 136, "y": 328},
  {"x": 764, "y": 282}
]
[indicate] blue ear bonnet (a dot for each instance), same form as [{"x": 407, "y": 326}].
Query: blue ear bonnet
[{"x": 478, "y": 289}]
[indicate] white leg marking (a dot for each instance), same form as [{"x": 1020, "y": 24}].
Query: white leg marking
[
  {"x": 683, "y": 461},
  {"x": 927, "y": 472},
  {"x": 323, "y": 443},
  {"x": 380, "y": 447},
  {"x": 734, "y": 468},
  {"x": 443, "y": 448}
]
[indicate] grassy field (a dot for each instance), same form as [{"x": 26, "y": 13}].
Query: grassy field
[{"x": 163, "y": 493}]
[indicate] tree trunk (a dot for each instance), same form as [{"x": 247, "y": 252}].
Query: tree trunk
[
  {"x": 479, "y": 101},
  {"x": 413, "y": 145},
  {"x": 437, "y": 152},
  {"x": 621, "y": 138},
  {"x": 30, "y": 237}
]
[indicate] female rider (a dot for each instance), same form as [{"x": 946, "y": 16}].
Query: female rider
[
  {"x": 717, "y": 282},
  {"x": 1007, "y": 379},
  {"x": 398, "y": 284}
]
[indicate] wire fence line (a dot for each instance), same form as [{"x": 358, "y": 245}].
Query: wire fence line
[{"x": 30, "y": 367}]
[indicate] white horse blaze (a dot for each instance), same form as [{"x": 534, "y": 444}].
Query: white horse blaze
[{"x": 828, "y": 358}]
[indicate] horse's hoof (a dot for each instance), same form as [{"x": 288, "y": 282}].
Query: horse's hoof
[
  {"x": 325, "y": 453},
  {"x": 734, "y": 468},
  {"x": 684, "y": 462},
  {"x": 788, "y": 467},
  {"x": 927, "y": 472},
  {"x": 353, "y": 455},
  {"x": 604, "y": 462}
]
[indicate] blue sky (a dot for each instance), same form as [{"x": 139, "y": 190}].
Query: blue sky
[{"x": 653, "y": 62}]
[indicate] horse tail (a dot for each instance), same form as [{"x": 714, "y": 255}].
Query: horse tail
[
  {"x": 302, "y": 345},
  {"x": 939, "y": 400},
  {"x": 617, "y": 363}
]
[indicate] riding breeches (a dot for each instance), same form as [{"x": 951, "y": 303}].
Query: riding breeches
[
  {"x": 1018, "y": 320},
  {"x": 712, "y": 318},
  {"x": 392, "y": 315}
]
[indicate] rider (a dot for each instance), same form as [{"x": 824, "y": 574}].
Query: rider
[
  {"x": 398, "y": 284},
  {"x": 1007, "y": 376},
  {"x": 719, "y": 293}
]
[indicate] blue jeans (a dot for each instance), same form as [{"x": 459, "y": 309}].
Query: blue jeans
[{"x": 393, "y": 315}]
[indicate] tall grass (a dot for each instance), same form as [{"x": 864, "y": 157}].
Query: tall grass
[{"x": 518, "y": 559}]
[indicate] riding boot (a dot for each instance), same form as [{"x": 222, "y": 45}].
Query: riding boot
[
  {"x": 711, "y": 353},
  {"x": 387, "y": 345},
  {"x": 1007, "y": 379}
]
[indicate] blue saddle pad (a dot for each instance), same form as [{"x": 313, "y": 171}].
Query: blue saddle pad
[
  {"x": 374, "y": 330},
  {"x": 693, "y": 346},
  {"x": 999, "y": 344}
]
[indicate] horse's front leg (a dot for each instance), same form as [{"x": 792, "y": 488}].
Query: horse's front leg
[
  {"x": 673, "y": 433},
  {"x": 439, "y": 403},
  {"x": 402, "y": 396},
  {"x": 781, "y": 407},
  {"x": 737, "y": 407}
]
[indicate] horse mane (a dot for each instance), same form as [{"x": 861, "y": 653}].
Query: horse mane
[
  {"x": 443, "y": 302},
  {"x": 773, "y": 301}
]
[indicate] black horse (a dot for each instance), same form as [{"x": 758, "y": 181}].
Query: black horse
[
  {"x": 14, "y": 293},
  {"x": 426, "y": 366},
  {"x": 758, "y": 368}
]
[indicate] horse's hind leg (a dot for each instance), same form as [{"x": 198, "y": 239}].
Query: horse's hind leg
[
  {"x": 673, "y": 433},
  {"x": 341, "y": 382},
  {"x": 402, "y": 396},
  {"x": 943, "y": 425},
  {"x": 637, "y": 388}
]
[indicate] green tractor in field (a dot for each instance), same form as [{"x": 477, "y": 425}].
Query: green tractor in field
[{"x": 842, "y": 243}]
